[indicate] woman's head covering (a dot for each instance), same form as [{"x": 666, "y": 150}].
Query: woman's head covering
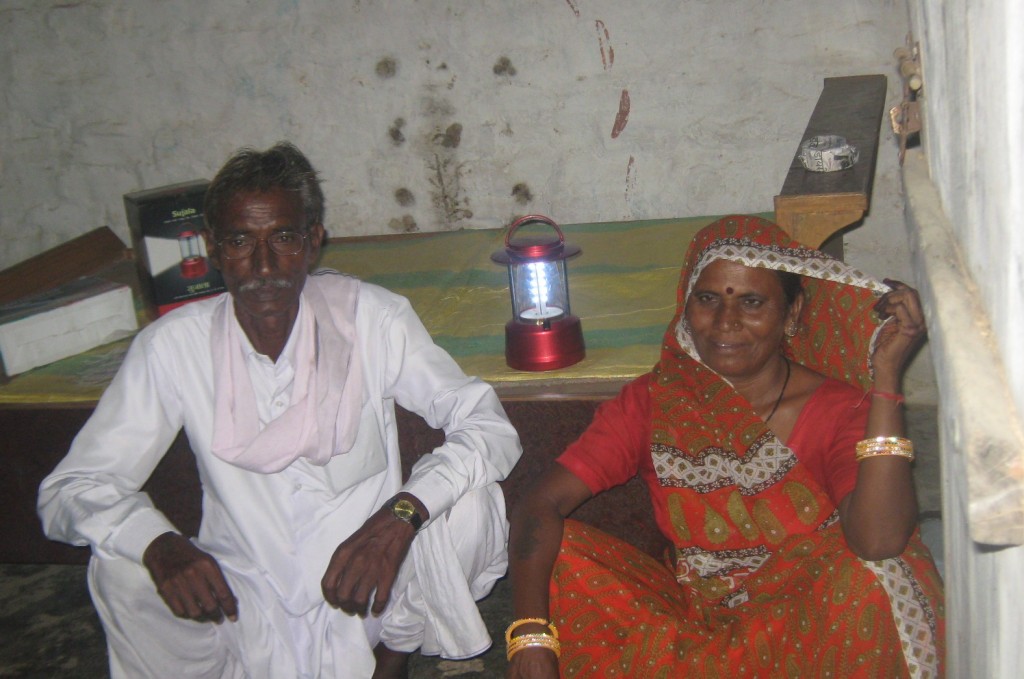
[
  {"x": 838, "y": 321},
  {"x": 693, "y": 407}
]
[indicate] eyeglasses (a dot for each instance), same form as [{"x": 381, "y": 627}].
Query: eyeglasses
[{"x": 285, "y": 243}]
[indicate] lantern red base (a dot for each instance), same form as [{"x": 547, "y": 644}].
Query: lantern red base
[{"x": 538, "y": 348}]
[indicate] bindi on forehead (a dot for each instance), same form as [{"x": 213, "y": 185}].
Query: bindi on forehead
[{"x": 729, "y": 291}]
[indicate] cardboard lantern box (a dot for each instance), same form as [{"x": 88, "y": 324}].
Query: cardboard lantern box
[{"x": 166, "y": 224}]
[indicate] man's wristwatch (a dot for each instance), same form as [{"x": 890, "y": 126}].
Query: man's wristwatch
[{"x": 403, "y": 510}]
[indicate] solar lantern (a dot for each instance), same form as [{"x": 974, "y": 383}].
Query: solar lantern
[{"x": 543, "y": 334}]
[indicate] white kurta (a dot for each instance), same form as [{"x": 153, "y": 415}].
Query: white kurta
[{"x": 278, "y": 530}]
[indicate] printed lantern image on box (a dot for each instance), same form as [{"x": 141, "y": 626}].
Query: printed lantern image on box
[
  {"x": 543, "y": 334},
  {"x": 193, "y": 254},
  {"x": 166, "y": 226}
]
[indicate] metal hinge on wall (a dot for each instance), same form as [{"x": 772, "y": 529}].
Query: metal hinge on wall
[{"x": 906, "y": 116}]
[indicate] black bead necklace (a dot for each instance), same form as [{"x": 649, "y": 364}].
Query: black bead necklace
[{"x": 781, "y": 393}]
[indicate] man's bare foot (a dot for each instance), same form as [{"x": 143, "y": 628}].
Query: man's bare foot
[{"x": 390, "y": 664}]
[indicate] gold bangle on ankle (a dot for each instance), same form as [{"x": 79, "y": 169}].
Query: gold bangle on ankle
[{"x": 885, "y": 445}]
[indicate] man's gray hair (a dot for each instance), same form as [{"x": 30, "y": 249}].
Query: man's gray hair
[{"x": 282, "y": 166}]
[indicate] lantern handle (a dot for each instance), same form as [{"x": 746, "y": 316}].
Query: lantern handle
[{"x": 529, "y": 219}]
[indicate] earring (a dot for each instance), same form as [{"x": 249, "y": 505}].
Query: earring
[{"x": 791, "y": 330}]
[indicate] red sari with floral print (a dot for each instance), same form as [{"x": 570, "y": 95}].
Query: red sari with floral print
[{"x": 761, "y": 582}]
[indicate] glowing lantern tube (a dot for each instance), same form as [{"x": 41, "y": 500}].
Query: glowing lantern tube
[{"x": 543, "y": 334}]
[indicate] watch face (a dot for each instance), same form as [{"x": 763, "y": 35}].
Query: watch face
[{"x": 404, "y": 510}]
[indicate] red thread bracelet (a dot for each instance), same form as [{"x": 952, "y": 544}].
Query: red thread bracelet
[{"x": 886, "y": 395}]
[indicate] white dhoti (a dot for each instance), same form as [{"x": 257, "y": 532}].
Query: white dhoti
[{"x": 453, "y": 562}]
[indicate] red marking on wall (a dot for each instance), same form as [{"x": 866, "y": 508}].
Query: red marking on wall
[
  {"x": 604, "y": 41},
  {"x": 630, "y": 177},
  {"x": 622, "y": 116},
  {"x": 573, "y": 7}
]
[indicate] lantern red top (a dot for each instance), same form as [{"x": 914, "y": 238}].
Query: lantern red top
[{"x": 534, "y": 248}]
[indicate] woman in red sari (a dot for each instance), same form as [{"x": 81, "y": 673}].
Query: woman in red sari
[{"x": 770, "y": 435}]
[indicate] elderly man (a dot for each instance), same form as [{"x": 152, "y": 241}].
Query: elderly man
[{"x": 313, "y": 559}]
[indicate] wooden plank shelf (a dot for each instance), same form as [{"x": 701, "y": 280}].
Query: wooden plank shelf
[{"x": 813, "y": 206}]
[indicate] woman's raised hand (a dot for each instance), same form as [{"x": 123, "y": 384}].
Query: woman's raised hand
[{"x": 903, "y": 334}]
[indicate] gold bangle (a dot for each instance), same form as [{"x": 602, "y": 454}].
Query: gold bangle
[
  {"x": 523, "y": 621},
  {"x": 885, "y": 445},
  {"x": 537, "y": 640}
]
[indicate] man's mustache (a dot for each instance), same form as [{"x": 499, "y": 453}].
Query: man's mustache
[{"x": 257, "y": 283}]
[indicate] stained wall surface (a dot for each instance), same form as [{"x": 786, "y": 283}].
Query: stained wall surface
[{"x": 436, "y": 114}]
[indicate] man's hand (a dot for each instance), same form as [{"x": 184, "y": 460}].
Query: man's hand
[
  {"x": 369, "y": 560},
  {"x": 189, "y": 580}
]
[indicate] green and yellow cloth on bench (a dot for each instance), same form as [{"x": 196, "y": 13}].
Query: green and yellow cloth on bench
[{"x": 622, "y": 287}]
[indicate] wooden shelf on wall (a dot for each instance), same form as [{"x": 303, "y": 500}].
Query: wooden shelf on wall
[{"x": 813, "y": 206}]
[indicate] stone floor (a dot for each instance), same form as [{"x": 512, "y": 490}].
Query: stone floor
[{"x": 48, "y": 627}]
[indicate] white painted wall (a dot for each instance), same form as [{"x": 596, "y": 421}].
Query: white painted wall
[
  {"x": 973, "y": 61},
  {"x": 110, "y": 96}
]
